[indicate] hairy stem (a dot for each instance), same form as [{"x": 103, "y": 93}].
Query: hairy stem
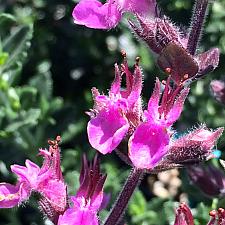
[
  {"x": 124, "y": 197},
  {"x": 198, "y": 18}
]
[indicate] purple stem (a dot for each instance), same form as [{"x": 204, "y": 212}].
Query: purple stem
[
  {"x": 124, "y": 197},
  {"x": 212, "y": 221},
  {"x": 198, "y": 18}
]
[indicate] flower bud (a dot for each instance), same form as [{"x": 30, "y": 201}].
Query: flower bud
[
  {"x": 183, "y": 215},
  {"x": 194, "y": 147},
  {"x": 210, "y": 179},
  {"x": 218, "y": 90},
  {"x": 170, "y": 44}
]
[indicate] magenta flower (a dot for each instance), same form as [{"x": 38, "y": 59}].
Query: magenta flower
[
  {"x": 46, "y": 180},
  {"x": 114, "y": 115},
  {"x": 11, "y": 195},
  {"x": 89, "y": 197},
  {"x": 94, "y": 14},
  {"x": 150, "y": 141}
]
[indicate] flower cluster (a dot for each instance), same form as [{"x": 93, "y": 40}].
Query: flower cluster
[
  {"x": 119, "y": 119},
  {"x": 48, "y": 181},
  {"x": 120, "y": 116}
]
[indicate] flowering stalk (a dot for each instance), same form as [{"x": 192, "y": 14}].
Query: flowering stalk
[
  {"x": 198, "y": 18},
  {"x": 124, "y": 196}
]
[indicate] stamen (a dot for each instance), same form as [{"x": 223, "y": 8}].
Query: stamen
[
  {"x": 137, "y": 60},
  {"x": 186, "y": 76},
  {"x": 124, "y": 54},
  {"x": 55, "y": 143},
  {"x": 163, "y": 82},
  {"x": 213, "y": 213},
  {"x": 168, "y": 70}
]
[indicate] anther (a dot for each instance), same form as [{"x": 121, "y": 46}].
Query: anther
[
  {"x": 58, "y": 138},
  {"x": 168, "y": 70},
  {"x": 124, "y": 54},
  {"x": 137, "y": 60},
  {"x": 221, "y": 210},
  {"x": 213, "y": 213},
  {"x": 163, "y": 82},
  {"x": 54, "y": 143},
  {"x": 50, "y": 142},
  {"x": 186, "y": 76}
]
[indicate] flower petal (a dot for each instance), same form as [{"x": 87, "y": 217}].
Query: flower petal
[
  {"x": 78, "y": 216},
  {"x": 26, "y": 173},
  {"x": 55, "y": 192},
  {"x": 94, "y": 14},
  {"x": 152, "y": 113},
  {"x": 148, "y": 145},
  {"x": 106, "y": 130},
  {"x": 139, "y": 6},
  {"x": 11, "y": 195},
  {"x": 177, "y": 108}
]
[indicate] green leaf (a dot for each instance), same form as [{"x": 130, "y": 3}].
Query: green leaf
[
  {"x": 16, "y": 45},
  {"x": 28, "y": 118},
  {"x": 43, "y": 82},
  {"x": 5, "y": 17},
  {"x": 137, "y": 204},
  {"x": 3, "y": 58}
]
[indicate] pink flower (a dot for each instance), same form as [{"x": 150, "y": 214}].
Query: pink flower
[
  {"x": 150, "y": 141},
  {"x": 46, "y": 180},
  {"x": 171, "y": 106},
  {"x": 89, "y": 197},
  {"x": 114, "y": 115},
  {"x": 11, "y": 195},
  {"x": 94, "y": 14}
]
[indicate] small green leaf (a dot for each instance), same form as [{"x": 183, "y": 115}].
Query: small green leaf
[
  {"x": 28, "y": 118},
  {"x": 16, "y": 46}
]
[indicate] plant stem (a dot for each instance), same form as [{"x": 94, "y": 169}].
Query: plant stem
[
  {"x": 198, "y": 18},
  {"x": 124, "y": 196}
]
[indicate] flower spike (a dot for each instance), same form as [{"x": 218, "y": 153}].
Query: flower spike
[{"x": 47, "y": 181}]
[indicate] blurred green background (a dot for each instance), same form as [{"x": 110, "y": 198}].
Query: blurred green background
[{"x": 48, "y": 66}]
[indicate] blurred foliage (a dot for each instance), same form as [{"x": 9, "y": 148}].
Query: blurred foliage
[{"x": 47, "y": 68}]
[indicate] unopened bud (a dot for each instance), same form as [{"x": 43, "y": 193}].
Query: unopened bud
[
  {"x": 218, "y": 90},
  {"x": 194, "y": 147},
  {"x": 183, "y": 215},
  {"x": 210, "y": 179}
]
